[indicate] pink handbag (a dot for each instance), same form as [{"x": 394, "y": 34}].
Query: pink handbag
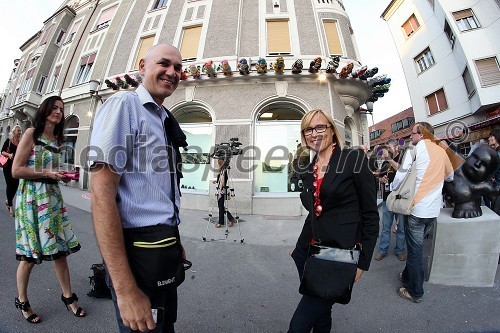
[{"x": 3, "y": 161}]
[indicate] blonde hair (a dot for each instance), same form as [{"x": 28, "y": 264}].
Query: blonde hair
[
  {"x": 306, "y": 120},
  {"x": 13, "y": 129}
]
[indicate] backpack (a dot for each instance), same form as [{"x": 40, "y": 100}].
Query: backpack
[{"x": 98, "y": 286}]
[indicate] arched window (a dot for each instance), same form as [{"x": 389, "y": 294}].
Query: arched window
[
  {"x": 68, "y": 147},
  {"x": 278, "y": 148},
  {"x": 196, "y": 123}
]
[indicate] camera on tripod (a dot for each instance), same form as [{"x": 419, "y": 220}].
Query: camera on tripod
[{"x": 224, "y": 151}]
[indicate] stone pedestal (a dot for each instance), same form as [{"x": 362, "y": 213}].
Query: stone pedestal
[{"x": 464, "y": 252}]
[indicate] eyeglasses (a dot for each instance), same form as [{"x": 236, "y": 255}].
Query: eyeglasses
[{"x": 319, "y": 129}]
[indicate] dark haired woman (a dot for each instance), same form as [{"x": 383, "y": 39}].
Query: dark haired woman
[
  {"x": 9, "y": 150},
  {"x": 43, "y": 230},
  {"x": 339, "y": 195}
]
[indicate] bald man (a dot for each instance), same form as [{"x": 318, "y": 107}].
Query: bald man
[{"x": 135, "y": 196}]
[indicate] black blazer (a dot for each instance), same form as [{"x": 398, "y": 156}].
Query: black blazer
[{"x": 349, "y": 201}]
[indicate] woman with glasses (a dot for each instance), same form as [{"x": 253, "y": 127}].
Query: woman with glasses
[
  {"x": 9, "y": 150},
  {"x": 43, "y": 229},
  {"x": 338, "y": 191}
]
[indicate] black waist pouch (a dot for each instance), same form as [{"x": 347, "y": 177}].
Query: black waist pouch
[{"x": 155, "y": 256}]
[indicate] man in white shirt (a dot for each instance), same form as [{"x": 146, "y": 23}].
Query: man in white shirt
[{"x": 433, "y": 167}]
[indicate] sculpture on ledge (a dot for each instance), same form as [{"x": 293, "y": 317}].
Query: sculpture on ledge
[
  {"x": 297, "y": 66},
  {"x": 473, "y": 180},
  {"x": 243, "y": 67},
  {"x": 261, "y": 66},
  {"x": 333, "y": 64},
  {"x": 279, "y": 65}
]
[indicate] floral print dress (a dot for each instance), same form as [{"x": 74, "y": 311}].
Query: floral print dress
[{"x": 43, "y": 230}]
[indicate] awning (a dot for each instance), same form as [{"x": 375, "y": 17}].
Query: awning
[{"x": 486, "y": 122}]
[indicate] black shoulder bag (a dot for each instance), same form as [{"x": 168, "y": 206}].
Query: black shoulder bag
[{"x": 329, "y": 272}]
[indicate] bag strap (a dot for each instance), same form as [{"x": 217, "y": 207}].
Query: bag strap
[{"x": 314, "y": 221}]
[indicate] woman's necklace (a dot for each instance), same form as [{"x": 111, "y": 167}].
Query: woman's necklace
[{"x": 318, "y": 209}]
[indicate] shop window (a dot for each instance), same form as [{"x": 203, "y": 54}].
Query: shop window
[
  {"x": 196, "y": 123},
  {"x": 280, "y": 156},
  {"x": 68, "y": 147}
]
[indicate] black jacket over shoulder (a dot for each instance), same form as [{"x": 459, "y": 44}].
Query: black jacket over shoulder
[{"x": 349, "y": 201}]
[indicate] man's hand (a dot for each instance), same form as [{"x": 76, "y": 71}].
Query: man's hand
[
  {"x": 359, "y": 272},
  {"x": 135, "y": 310},
  {"x": 383, "y": 180}
]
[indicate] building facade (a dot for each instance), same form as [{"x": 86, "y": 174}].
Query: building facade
[
  {"x": 449, "y": 50},
  {"x": 398, "y": 126},
  {"x": 89, "y": 49}
]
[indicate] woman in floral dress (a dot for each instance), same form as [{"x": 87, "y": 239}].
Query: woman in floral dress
[{"x": 43, "y": 230}]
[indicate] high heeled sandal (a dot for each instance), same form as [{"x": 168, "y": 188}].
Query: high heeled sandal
[
  {"x": 25, "y": 307},
  {"x": 70, "y": 300}
]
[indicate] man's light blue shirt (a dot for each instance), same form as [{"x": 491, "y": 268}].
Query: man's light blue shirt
[{"x": 129, "y": 135}]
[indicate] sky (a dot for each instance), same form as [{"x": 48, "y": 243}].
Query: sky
[{"x": 22, "y": 19}]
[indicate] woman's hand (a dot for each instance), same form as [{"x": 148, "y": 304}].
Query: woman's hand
[
  {"x": 57, "y": 175},
  {"x": 359, "y": 272},
  {"x": 291, "y": 250}
]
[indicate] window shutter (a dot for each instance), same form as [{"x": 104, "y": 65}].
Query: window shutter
[
  {"x": 431, "y": 102},
  {"x": 414, "y": 22},
  {"x": 407, "y": 28},
  {"x": 332, "y": 38},
  {"x": 278, "y": 37},
  {"x": 488, "y": 71},
  {"x": 75, "y": 27},
  {"x": 190, "y": 42},
  {"x": 84, "y": 61},
  {"x": 46, "y": 35},
  {"x": 443, "y": 105},
  {"x": 462, "y": 14},
  {"x": 106, "y": 15},
  {"x": 146, "y": 43}
]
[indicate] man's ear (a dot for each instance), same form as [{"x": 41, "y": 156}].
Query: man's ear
[{"x": 141, "y": 66}]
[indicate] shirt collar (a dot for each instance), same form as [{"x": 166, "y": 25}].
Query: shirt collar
[{"x": 148, "y": 101}]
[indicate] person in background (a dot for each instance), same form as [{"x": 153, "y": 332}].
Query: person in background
[
  {"x": 494, "y": 142},
  {"x": 336, "y": 182},
  {"x": 137, "y": 193},
  {"x": 9, "y": 150},
  {"x": 433, "y": 167},
  {"x": 222, "y": 196},
  {"x": 386, "y": 175},
  {"x": 43, "y": 229}
]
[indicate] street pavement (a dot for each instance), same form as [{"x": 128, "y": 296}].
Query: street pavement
[{"x": 238, "y": 287}]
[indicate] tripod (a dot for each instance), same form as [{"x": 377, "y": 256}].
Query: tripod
[{"x": 226, "y": 193}]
